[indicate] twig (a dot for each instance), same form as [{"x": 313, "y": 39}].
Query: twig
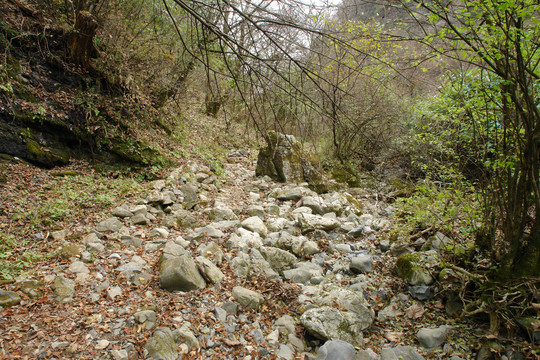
[
  {"x": 463, "y": 271},
  {"x": 25, "y": 9},
  {"x": 421, "y": 233}
]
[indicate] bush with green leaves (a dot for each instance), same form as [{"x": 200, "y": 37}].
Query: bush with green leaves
[{"x": 452, "y": 208}]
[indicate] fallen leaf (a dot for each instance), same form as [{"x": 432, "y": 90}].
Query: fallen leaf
[
  {"x": 415, "y": 311},
  {"x": 438, "y": 304},
  {"x": 393, "y": 336}
]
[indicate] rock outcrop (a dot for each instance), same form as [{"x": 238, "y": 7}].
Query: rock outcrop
[{"x": 285, "y": 160}]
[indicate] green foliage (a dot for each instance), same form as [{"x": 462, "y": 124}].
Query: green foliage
[
  {"x": 11, "y": 263},
  {"x": 456, "y": 129},
  {"x": 61, "y": 199},
  {"x": 453, "y": 209}
]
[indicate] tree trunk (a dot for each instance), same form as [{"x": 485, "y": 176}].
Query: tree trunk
[{"x": 82, "y": 44}]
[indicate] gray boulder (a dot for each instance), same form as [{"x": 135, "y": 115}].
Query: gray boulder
[
  {"x": 256, "y": 225},
  {"x": 401, "y": 353},
  {"x": 247, "y": 298},
  {"x": 220, "y": 213},
  {"x": 112, "y": 224},
  {"x": 316, "y": 204},
  {"x": 190, "y": 196},
  {"x": 350, "y": 300},
  {"x": 397, "y": 306},
  {"x": 146, "y": 317},
  {"x": 361, "y": 264},
  {"x": 280, "y": 260},
  {"x": 210, "y": 272},
  {"x": 328, "y": 323},
  {"x": 298, "y": 276},
  {"x": 178, "y": 270},
  {"x": 293, "y": 194},
  {"x": 254, "y": 263},
  {"x": 430, "y": 338},
  {"x": 256, "y": 210},
  {"x": 336, "y": 350},
  {"x": 367, "y": 354},
  {"x": 310, "y": 223},
  {"x": 122, "y": 211},
  {"x": 186, "y": 336}
]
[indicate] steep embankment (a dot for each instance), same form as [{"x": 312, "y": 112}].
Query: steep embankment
[
  {"x": 256, "y": 269},
  {"x": 52, "y": 110}
]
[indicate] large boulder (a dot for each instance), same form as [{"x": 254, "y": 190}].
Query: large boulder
[
  {"x": 247, "y": 298},
  {"x": 285, "y": 160},
  {"x": 161, "y": 346},
  {"x": 310, "y": 223},
  {"x": 178, "y": 270},
  {"x": 328, "y": 323},
  {"x": 336, "y": 350},
  {"x": 279, "y": 260}
]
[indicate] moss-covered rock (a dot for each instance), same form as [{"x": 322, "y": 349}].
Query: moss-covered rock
[
  {"x": 285, "y": 160},
  {"x": 161, "y": 346},
  {"x": 417, "y": 268}
]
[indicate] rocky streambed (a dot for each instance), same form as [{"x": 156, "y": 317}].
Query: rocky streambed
[{"x": 237, "y": 267}]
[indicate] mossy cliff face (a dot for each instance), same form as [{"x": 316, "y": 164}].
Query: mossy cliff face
[
  {"x": 40, "y": 147},
  {"x": 285, "y": 160}
]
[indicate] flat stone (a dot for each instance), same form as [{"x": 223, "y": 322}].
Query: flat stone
[
  {"x": 310, "y": 223},
  {"x": 292, "y": 194},
  {"x": 102, "y": 344},
  {"x": 431, "y": 338},
  {"x": 113, "y": 292},
  {"x": 140, "y": 219},
  {"x": 78, "y": 267},
  {"x": 336, "y": 350},
  {"x": 420, "y": 292},
  {"x": 400, "y": 353},
  {"x": 247, "y": 298},
  {"x": 299, "y": 276},
  {"x": 210, "y": 272},
  {"x": 285, "y": 352},
  {"x": 361, "y": 264},
  {"x": 131, "y": 241},
  {"x": 122, "y": 212},
  {"x": 112, "y": 224},
  {"x": 120, "y": 354},
  {"x": 159, "y": 233},
  {"x": 129, "y": 267},
  {"x": 256, "y": 225},
  {"x": 9, "y": 298}
]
